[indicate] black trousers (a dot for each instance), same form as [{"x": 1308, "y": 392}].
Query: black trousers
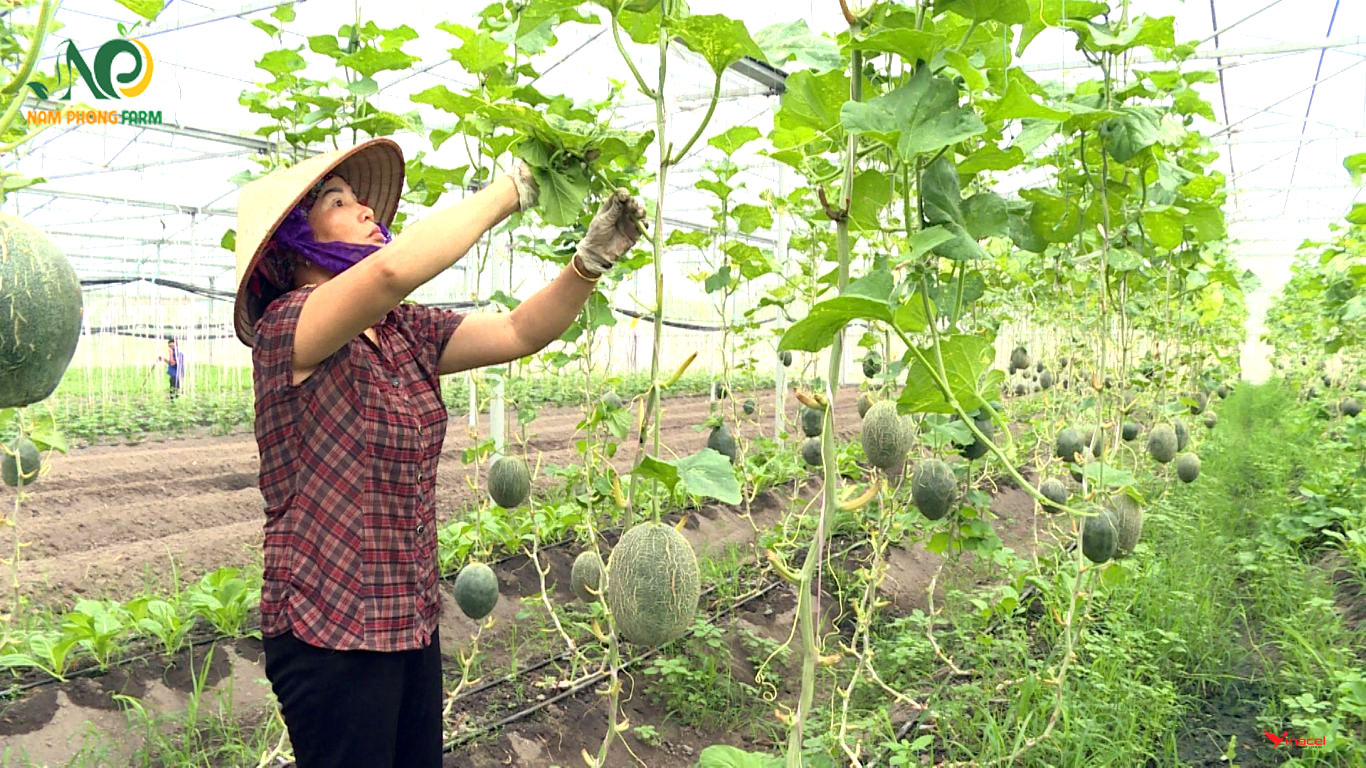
[{"x": 358, "y": 709}]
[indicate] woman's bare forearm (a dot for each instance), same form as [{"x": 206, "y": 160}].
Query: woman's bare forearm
[
  {"x": 428, "y": 247},
  {"x": 546, "y": 314}
]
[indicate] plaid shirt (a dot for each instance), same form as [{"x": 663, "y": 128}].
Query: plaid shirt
[{"x": 348, "y": 472}]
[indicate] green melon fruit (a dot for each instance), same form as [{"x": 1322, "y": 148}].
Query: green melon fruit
[
  {"x": 1055, "y": 491},
  {"x": 871, "y": 366},
  {"x": 978, "y": 448},
  {"x": 1222, "y": 391},
  {"x": 1198, "y": 406},
  {"x": 719, "y": 390},
  {"x": 1162, "y": 443},
  {"x": 1210, "y": 420},
  {"x": 1038, "y": 367},
  {"x": 653, "y": 584},
  {"x": 509, "y": 482},
  {"x": 933, "y": 488},
  {"x": 865, "y": 401},
  {"x": 613, "y": 401},
  {"x": 40, "y": 313},
  {"x": 1130, "y": 431},
  {"x": 1187, "y": 467},
  {"x": 1350, "y": 406},
  {"x": 811, "y": 451},
  {"x": 21, "y": 462},
  {"x": 723, "y": 442},
  {"x": 1046, "y": 379},
  {"x": 1095, "y": 442},
  {"x": 1128, "y": 519},
  {"x": 1020, "y": 390},
  {"x": 1019, "y": 359},
  {"x": 882, "y": 441},
  {"x": 1099, "y": 538},
  {"x": 1069, "y": 443},
  {"x": 476, "y": 590},
  {"x": 785, "y": 357},
  {"x": 813, "y": 421},
  {"x": 585, "y": 577},
  {"x": 1182, "y": 435},
  {"x": 749, "y": 407}
]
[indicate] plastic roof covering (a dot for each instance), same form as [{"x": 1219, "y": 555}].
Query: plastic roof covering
[{"x": 204, "y": 53}]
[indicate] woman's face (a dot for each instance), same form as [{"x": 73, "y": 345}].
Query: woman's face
[{"x": 337, "y": 216}]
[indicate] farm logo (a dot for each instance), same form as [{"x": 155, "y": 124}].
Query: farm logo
[
  {"x": 1276, "y": 740},
  {"x": 102, "y": 80}
]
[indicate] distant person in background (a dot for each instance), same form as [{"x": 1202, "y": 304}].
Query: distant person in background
[{"x": 175, "y": 366}]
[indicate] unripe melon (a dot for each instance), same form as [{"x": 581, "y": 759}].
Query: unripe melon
[
  {"x": 1046, "y": 379},
  {"x": 1095, "y": 442},
  {"x": 476, "y": 590},
  {"x": 1200, "y": 402},
  {"x": 865, "y": 401},
  {"x": 723, "y": 442},
  {"x": 1019, "y": 359},
  {"x": 21, "y": 462},
  {"x": 749, "y": 407},
  {"x": 1099, "y": 538},
  {"x": 1055, "y": 491},
  {"x": 933, "y": 488},
  {"x": 882, "y": 442},
  {"x": 585, "y": 577},
  {"x": 1350, "y": 406},
  {"x": 1210, "y": 420},
  {"x": 1130, "y": 431},
  {"x": 719, "y": 390},
  {"x": 1222, "y": 391},
  {"x": 1128, "y": 519},
  {"x": 653, "y": 584},
  {"x": 871, "y": 366},
  {"x": 1182, "y": 435},
  {"x": 509, "y": 482},
  {"x": 1020, "y": 390},
  {"x": 1038, "y": 367},
  {"x": 1162, "y": 443},
  {"x": 978, "y": 448},
  {"x": 785, "y": 357},
  {"x": 1068, "y": 444},
  {"x": 613, "y": 401},
  {"x": 811, "y": 451},
  {"x": 1188, "y": 467},
  {"x": 40, "y": 313},
  {"x": 813, "y": 421}
]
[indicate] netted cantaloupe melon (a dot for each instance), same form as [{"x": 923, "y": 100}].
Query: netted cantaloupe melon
[
  {"x": 652, "y": 584},
  {"x": 1188, "y": 467},
  {"x": 40, "y": 313},
  {"x": 1127, "y": 516},
  {"x": 476, "y": 590},
  {"x": 509, "y": 482},
  {"x": 865, "y": 401},
  {"x": 585, "y": 577},
  {"x": 881, "y": 435},
  {"x": 1162, "y": 443},
  {"x": 933, "y": 488}
]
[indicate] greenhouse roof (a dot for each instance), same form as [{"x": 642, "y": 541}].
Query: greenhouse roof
[{"x": 128, "y": 200}]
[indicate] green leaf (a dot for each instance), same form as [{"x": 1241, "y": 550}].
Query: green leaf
[
  {"x": 369, "y": 61},
  {"x": 940, "y": 193},
  {"x": 817, "y": 330},
  {"x": 478, "y": 52},
  {"x": 967, "y": 362},
  {"x": 689, "y": 237},
  {"x": 1050, "y": 13},
  {"x": 939, "y": 542},
  {"x": 1124, "y": 259},
  {"x": 1206, "y": 223},
  {"x": 871, "y": 194},
  {"x": 1358, "y": 214},
  {"x": 283, "y": 13},
  {"x": 709, "y": 474},
  {"x": 229, "y": 240},
  {"x": 1051, "y": 217},
  {"x": 1114, "y": 574},
  {"x": 1133, "y": 131},
  {"x": 782, "y": 42},
  {"x": 725, "y": 756},
  {"x": 810, "y": 108},
  {"x": 1017, "y": 103},
  {"x": 910, "y": 317},
  {"x": 991, "y": 158},
  {"x": 43, "y": 431},
  {"x": 720, "y": 40},
  {"x": 1004, "y": 11},
  {"x": 985, "y": 215},
  {"x": 923, "y": 115},
  {"x": 749, "y": 217},
  {"x": 147, "y": 9},
  {"x": 562, "y": 195},
  {"x": 1356, "y": 165},
  {"x": 1157, "y": 34},
  {"x": 1163, "y": 225},
  {"x": 282, "y": 62},
  {"x": 734, "y": 138},
  {"x": 651, "y": 468},
  {"x": 975, "y": 79},
  {"x": 1107, "y": 475},
  {"x": 752, "y": 262},
  {"x": 7, "y": 416},
  {"x": 910, "y": 44},
  {"x": 926, "y": 240}
]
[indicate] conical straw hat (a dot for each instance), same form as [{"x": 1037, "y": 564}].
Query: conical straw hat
[{"x": 374, "y": 170}]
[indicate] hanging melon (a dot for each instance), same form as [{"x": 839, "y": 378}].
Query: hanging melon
[
  {"x": 723, "y": 442},
  {"x": 978, "y": 447},
  {"x": 1188, "y": 467},
  {"x": 785, "y": 357},
  {"x": 40, "y": 313},
  {"x": 1068, "y": 444},
  {"x": 1055, "y": 491},
  {"x": 1182, "y": 434},
  {"x": 21, "y": 462},
  {"x": 813, "y": 421},
  {"x": 1099, "y": 537},
  {"x": 811, "y": 451},
  {"x": 1019, "y": 359},
  {"x": 933, "y": 488},
  {"x": 1127, "y": 517},
  {"x": 882, "y": 436},
  {"x": 865, "y": 401},
  {"x": 1162, "y": 443},
  {"x": 1130, "y": 431},
  {"x": 476, "y": 590},
  {"x": 653, "y": 584},
  {"x": 509, "y": 482},
  {"x": 585, "y": 577},
  {"x": 749, "y": 407}
]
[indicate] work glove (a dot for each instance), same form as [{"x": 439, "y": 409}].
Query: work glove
[
  {"x": 611, "y": 233},
  {"x": 528, "y": 191}
]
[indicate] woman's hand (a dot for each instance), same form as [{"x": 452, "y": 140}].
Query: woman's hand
[
  {"x": 613, "y": 231},
  {"x": 528, "y": 191}
]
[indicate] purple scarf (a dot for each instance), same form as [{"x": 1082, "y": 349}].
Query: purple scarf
[{"x": 295, "y": 236}]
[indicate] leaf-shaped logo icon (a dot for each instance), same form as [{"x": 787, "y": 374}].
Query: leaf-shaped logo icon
[{"x": 38, "y": 89}]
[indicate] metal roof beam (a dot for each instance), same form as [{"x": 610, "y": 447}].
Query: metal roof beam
[{"x": 88, "y": 197}]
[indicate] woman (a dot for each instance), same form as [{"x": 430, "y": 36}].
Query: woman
[
  {"x": 350, "y": 424},
  {"x": 175, "y": 366}
]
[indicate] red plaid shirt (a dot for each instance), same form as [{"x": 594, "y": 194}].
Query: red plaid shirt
[{"x": 348, "y": 472}]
